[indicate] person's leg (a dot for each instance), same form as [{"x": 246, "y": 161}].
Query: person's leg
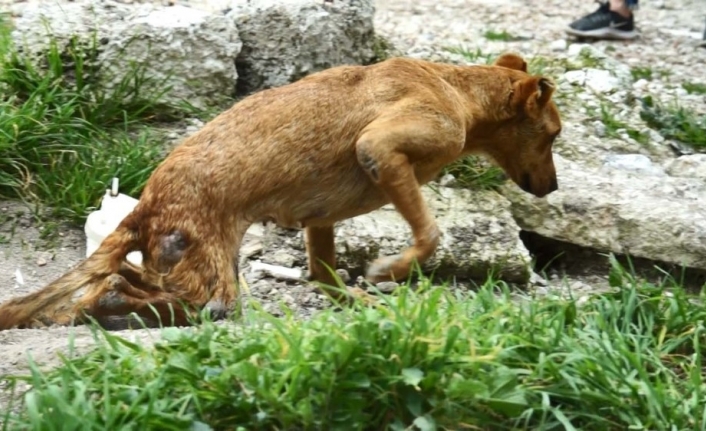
[
  {"x": 612, "y": 20},
  {"x": 703, "y": 39}
]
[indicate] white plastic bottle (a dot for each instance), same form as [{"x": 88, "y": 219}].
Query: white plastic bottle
[{"x": 101, "y": 223}]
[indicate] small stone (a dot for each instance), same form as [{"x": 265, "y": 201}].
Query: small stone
[
  {"x": 601, "y": 81},
  {"x": 641, "y": 84},
  {"x": 387, "y": 286},
  {"x": 632, "y": 162},
  {"x": 537, "y": 280},
  {"x": 654, "y": 135},
  {"x": 41, "y": 261},
  {"x": 575, "y": 77},
  {"x": 558, "y": 45},
  {"x": 599, "y": 128},
  {"x": 690, "y": 166},
  {"x": 283, "y": 258},
  {"x": 343, "y": 274},
  {"x": 447, "y": 180}
]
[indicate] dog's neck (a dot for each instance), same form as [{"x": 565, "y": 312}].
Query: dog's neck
[{"x": 482, "y": 91}]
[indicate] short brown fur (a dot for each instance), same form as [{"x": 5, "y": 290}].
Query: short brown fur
[{"x": 334, "y": 145}]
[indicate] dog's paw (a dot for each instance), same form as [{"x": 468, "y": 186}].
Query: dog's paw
[
  {"x": 218, "y": 310},
  {"x": 363, "y": 296},
  {"x": 383, "y": 268},
  {"x": 112, "y": 300}
]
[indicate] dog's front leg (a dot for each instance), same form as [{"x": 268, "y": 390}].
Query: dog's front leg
[
  {"x": 386, "y": 151},
  {"x": 321, "y": 255}
]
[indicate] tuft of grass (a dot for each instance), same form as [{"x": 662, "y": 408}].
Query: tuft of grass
[
  {"x": 613, "y": 125},
  {"x": 675, "y": 122},
  {"x": 473, "y": 172},
  {"x": 382, "y": 49},
  {"x": 641, "y": 73},
  {"x": 694, "y": 87},
  {"x": 426, "y": 359},
  {"x": 63, "y": 135},
  {"x": 472, "y": 56},
  {"x": 502, "y": 36}
]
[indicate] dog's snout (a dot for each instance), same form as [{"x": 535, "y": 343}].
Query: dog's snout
[
  {"x": 526, "y": 183},
  {"x": 554, "y": 186}
]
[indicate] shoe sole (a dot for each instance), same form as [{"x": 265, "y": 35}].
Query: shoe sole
[{"x": 604, "y": 33}]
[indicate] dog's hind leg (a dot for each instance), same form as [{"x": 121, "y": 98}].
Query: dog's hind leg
[
  {"x": 388, "y": 151},
  {"x": 114, "y": 300}
]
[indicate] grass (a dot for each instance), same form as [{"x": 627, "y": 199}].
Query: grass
[
  {"x": 502, "y": 36},
  {"x": 63, "y": 135},
  {"x": 639, "y": 72},
  {"x": 473, "y": 56},
  {"x": 426, "y": 359},
  {"x": 613, "y": 125},
  {"x": 694, "y": 87},
  {"x": 675, "y": 122},
  {"x": 474, "y": 172}
]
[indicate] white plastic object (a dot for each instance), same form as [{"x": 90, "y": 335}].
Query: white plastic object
[{"x": 101, "y": 223}]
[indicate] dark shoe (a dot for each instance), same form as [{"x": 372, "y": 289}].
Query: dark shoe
[{"x": 604, "y": 24}]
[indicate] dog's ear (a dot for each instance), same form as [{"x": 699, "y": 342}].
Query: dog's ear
[
  {"x": 531, "y": 93},
  {"x": 511, "y": 61}
]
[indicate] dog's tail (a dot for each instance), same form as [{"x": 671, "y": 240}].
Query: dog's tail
[{"x": 55, "y": 302}]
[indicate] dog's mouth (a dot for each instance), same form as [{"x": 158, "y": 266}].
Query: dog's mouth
[{"x": 528, "y": 186}]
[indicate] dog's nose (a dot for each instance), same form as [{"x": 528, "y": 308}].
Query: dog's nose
[{"x": 554, "y": 186}]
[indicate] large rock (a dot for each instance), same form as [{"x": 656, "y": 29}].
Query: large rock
[
  {"x": 478, "y": 235},
  {"x": 284, "y": 40},
  {"x": 193, "y": 50},
  {"x": 640, "y": 212}
]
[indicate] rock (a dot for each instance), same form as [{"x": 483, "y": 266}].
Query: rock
[
  {"x": 558, "y": 45},
  {"x": 689, "y": 166},
  {"x": 343, "y": 275},
  {"x": 280, "y": 258},
  {"x": 478, "y": 234},
  {"x": 278, "y": 272},
  {"x": 447, "y": 180},
  {"x": 286, "y": 40},
  {"x": 613, "y": 211},
  {"x": 637, "y": 163},
  {"x": 575, "y": 77},
  {"x": 601, "y": 81},
  {"x": 604, "y": 70},
  {"x": 387, "y": 286},
  {"x": 192, "y": 49}
]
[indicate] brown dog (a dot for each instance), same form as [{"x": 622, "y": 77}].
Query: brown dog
[{"x": 334, "y": 145}]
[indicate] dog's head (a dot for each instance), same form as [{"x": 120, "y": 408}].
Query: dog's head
[{"x": 522, "y": 142}]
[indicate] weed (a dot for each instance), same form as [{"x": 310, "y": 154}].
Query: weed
[
  {"x": 499, "y": 36},
  {"x": 430, "y": 358},
  {"x": 382, "y": 49},
  {"x": 473, "y": 172},
  {"x": 675, "y": 122},
  {"x": 477, "y": 56},
  {"x": 613, "y": 125},
  {"x": 641, "y": 73},
  {"x": 63, "y": 136},
  {"x": 694, "y": 87},
  {"x": 588, "y": 60}
]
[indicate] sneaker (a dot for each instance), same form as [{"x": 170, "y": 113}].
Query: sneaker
[{"x": 604, "y": 24}]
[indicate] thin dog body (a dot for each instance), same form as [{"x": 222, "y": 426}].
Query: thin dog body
[{"x": 331, "y": 146}]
